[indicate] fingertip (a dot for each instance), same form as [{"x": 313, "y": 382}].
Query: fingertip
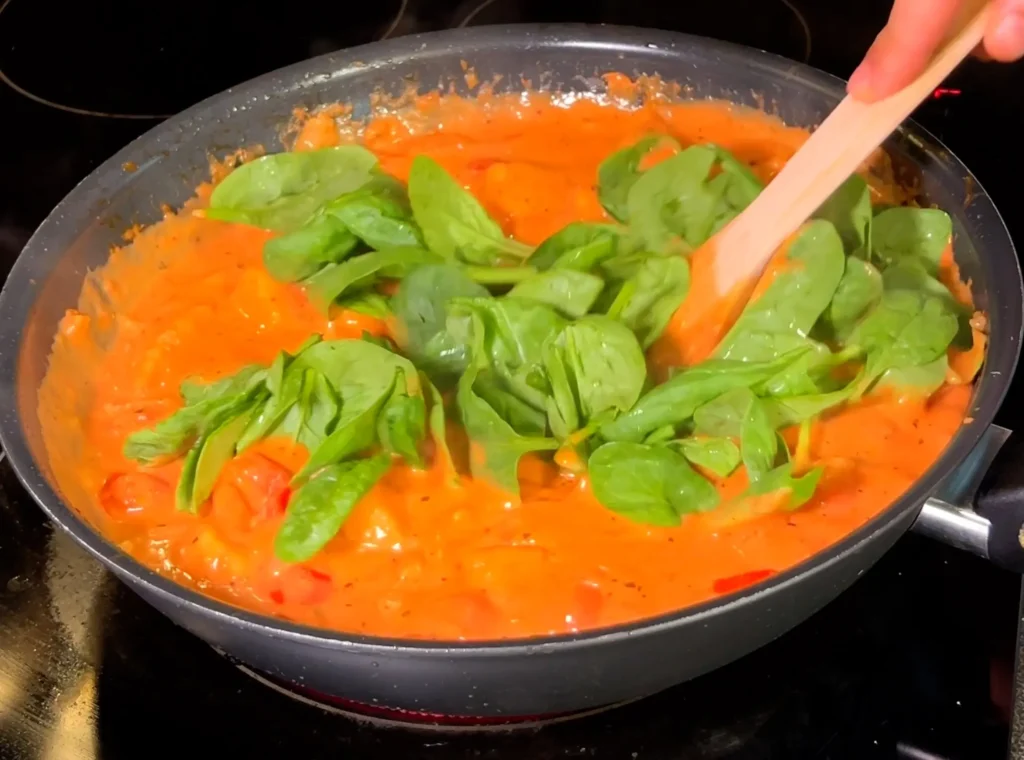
[
  {"x": 1005, "y": 40},
  {"x": 860, "y": 85}
]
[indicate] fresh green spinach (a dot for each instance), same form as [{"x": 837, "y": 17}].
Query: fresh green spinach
[
  {"x": 420, "y": 308},
  {"x": 282, "y": 191},
  {"x": 402, "y": 424},
  {"x": 906, "y": 329},
  {"x": 716, "y": 455},
  {"x": 904, "y": 233},
  {"x": 648, "y": 484},
  {"x": 849, "y": 209},
  {"x": 858, "y": 291},
  {"x": 794, "y": 301},
  {"x": 648, "y": 299},
  {"x": 362, "y": 272},
  {"x": 320, "y": 507},
  {"x": 619, "y": 172},
  {"x": 674, "y": 401},
  {"x": 453, "y": 222},
  {"x": 569, "y": 292},
  {"x": 800, "y": 489},
  {"x": 495, "y": 447},
  {"x": 677, "y": 205},
  {"x": 579, "y": 245},
  {"x": 596, "y": 370}
]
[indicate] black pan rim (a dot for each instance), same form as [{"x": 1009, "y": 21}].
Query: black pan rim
[{"x": 17, "y": 299}]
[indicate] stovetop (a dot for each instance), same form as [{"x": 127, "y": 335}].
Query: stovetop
[{"x": 916, "y": 661}]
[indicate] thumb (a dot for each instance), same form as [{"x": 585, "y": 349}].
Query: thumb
[
  {"x": 915, "y": 30},
  {"x": 1004, "y": 38}
]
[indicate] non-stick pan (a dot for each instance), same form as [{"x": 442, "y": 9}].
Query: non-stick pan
[{"x": 552, "y": 674}]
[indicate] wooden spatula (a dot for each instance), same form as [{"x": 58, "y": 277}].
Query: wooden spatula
[{"x": 727, "y": 267}]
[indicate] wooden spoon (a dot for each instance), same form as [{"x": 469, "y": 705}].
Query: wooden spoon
[{"x": 727, "y": 267}]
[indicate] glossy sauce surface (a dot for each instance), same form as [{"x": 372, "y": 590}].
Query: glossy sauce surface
[{"x": 420, "y": 557}]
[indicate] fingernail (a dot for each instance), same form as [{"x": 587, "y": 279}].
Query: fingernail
[
  {"x": 860, "y": 83},
  {"x": 1007, "y": 41}
]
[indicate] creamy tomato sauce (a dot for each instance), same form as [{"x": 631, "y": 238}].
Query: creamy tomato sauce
[{"x": 420, "y": 556}]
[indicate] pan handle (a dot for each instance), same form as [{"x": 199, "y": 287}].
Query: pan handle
[{"x": 980, "y": 506}]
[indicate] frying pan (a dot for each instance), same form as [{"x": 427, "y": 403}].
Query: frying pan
[{"x": 555, "y": 674}]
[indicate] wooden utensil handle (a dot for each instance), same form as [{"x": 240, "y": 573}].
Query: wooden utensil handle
[{"x": 833, "y": 152}]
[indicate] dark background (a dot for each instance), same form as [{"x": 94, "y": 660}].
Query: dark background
[{"x": 914, "y": 662}]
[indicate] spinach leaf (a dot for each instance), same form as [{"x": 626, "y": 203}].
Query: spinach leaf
[
  {"x": 759, "y": 445},
  {"x": 740, "y": 414},
  {"x": 578, "y": 245},
  {"x": 298, "y": 254},
  {"x": 283, "y": 190},
  {"x": 453, "y": 222},
  {"x": 420, "y": 309},
  {"x": 619, "y": 172},
  {"x": 923, "y": 379},
  {"x": 801, "y": 489},
  {"x": 811, "y": 373},
  {"x": 402, "y": 424},
  {"x": 795, "y": 299},
  {"x": 365, "y": 376},
  {"x": 784, "y": 412},
  {"x": 911, "y": 233},
  {"x": 670, "y": 206},
  {"x": 648, "y": 484},
  {"x": 648, "y": 299},
  {"x": 849, "y": 209},
  {"x": 906, "y": 329},
  {"x": 318, "y": 509},
  {"x": 186, "y": 480},
  {"x": 378, "y": 213},
  {"x": 722, "y": 417},
  {"x": 717, "y": 455},
  {"x": 367, "y": 302},
  {"x": 675, "y": 401},
  {"x": 362, "y": 272},
  {"x": 205, "y": 403},
  {"x": 495, "y": 447},
  {"x": 321, "y": 409},
  {"x": 438, "y": 429},
  {"x": 595, "y": 367},
  {"x": 521, "y": 417},
  {"x": 272, "y": 416},
  {"x": 355, "y": 431},
  {"x": 514, "y": 332},
  {"x": 858, "y": 291},
  {"x": 285, "y": 383},
  {"x": 911, "y": 274},
  {"x": 498, "y": 276},
  {"x": 194, "y": 391},
  {"x": 677, "y": 205},
  {"x": 568, "y": 291},
  {"x": 215, "y": 450}
]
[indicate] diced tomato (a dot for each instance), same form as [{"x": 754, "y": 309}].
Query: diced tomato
[
  {"x": 296, "y": 584},
  {"x": 736, "y": 582},
  {"x": 263, "y": 483},
  {"x": 588, "y": 603},
  {"x": 136, "y": 496},
  {"x": 229, "y": 508}
]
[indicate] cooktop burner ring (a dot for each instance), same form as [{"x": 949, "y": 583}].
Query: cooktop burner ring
[
  {"x": 487, "y": 12},
  {"x": 385, "y": 26},
  {"x": 375, "y": 716}
]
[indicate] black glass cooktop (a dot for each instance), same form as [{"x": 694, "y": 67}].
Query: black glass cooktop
[{"x": 916, "y": 661}]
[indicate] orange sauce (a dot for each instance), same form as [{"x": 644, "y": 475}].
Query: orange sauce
[{"x": 419, "y": 556}]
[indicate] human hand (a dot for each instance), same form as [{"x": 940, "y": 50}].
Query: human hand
[{"x": 915, "y": 30}]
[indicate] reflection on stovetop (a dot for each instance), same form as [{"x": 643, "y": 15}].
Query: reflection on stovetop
[
  {"x": 914, "y": 662},
  {"x": 910, "y": 663}
]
